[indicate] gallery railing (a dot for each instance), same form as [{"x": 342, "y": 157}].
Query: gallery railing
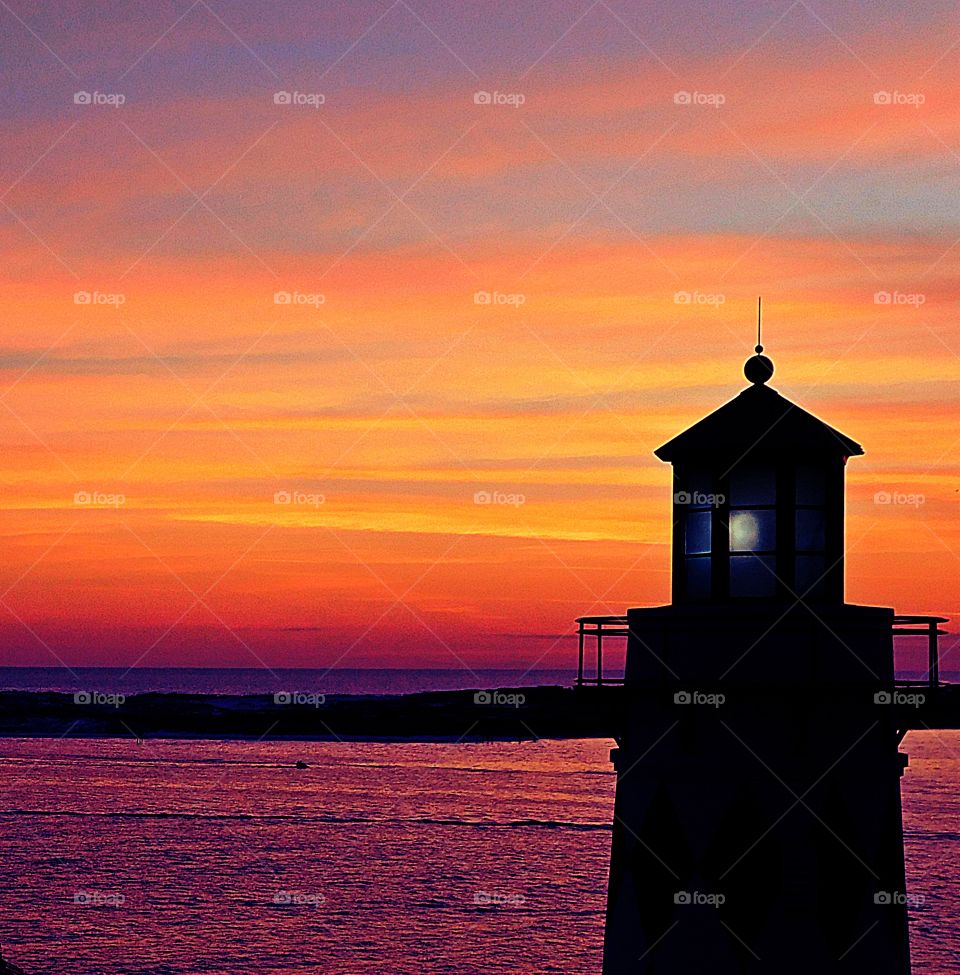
[{"x": 600, "y": 628}]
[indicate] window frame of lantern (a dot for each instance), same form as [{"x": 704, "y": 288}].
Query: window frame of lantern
[
  {"x": 687, "y": 478},
  {"x": 761, "y": 463},
  {"x": 785, "y": 507}
]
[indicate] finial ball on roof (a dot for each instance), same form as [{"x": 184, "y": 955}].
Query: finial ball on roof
[{"x": 758, "y": 369}]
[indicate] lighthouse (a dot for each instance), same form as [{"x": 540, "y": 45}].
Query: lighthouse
[{"x": 757, "y": 823}]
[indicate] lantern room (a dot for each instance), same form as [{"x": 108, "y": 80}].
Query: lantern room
[{"x": 758, "y": 500}]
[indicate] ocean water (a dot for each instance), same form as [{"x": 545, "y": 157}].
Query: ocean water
[
  {"x": 181, "y": 858},
  {"x": 176, "y": 858},
  {"x": 260, "y": 680}
]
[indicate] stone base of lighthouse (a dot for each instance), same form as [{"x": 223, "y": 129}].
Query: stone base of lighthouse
[{"x": 757, "y": 825}]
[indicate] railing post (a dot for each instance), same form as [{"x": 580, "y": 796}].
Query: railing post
[
  {"x": 934, "y": 661},
  {"x": 599, "y": 654},
  {"x": 580, "y": 658}
]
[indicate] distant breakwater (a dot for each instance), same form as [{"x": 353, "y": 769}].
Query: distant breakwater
[{"x": 513, "y": 714}]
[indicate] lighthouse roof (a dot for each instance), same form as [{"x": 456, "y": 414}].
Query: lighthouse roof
[{"x": 759, "y": 418}]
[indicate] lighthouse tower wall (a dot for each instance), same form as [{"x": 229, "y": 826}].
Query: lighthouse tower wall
[{"x": 757, "y": 823}]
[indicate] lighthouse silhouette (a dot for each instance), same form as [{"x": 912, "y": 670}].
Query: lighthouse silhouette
[{"x": 757, "y": 822}]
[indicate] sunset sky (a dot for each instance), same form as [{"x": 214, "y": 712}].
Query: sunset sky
[{"x": 629, "y": 157}]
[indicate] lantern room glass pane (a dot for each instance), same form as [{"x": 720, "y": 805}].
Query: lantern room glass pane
[
  {"x": 695, "y": 489},
  {"x": 753, "y": 575},
  {"x": 809, "y": 575},
  {"x": 697, "y": 534},
  {"x": 753, "y": 531},
  {"x": 811, "y": 536},
  {"x": 811, "y": 484},
  {"x": 698, "y": 578},
  {"x": 752, "y": 484},
  {"x": 699, "y": 480}
]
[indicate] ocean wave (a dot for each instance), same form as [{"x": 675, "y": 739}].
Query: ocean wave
[{"x": 335, "y": 820}]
